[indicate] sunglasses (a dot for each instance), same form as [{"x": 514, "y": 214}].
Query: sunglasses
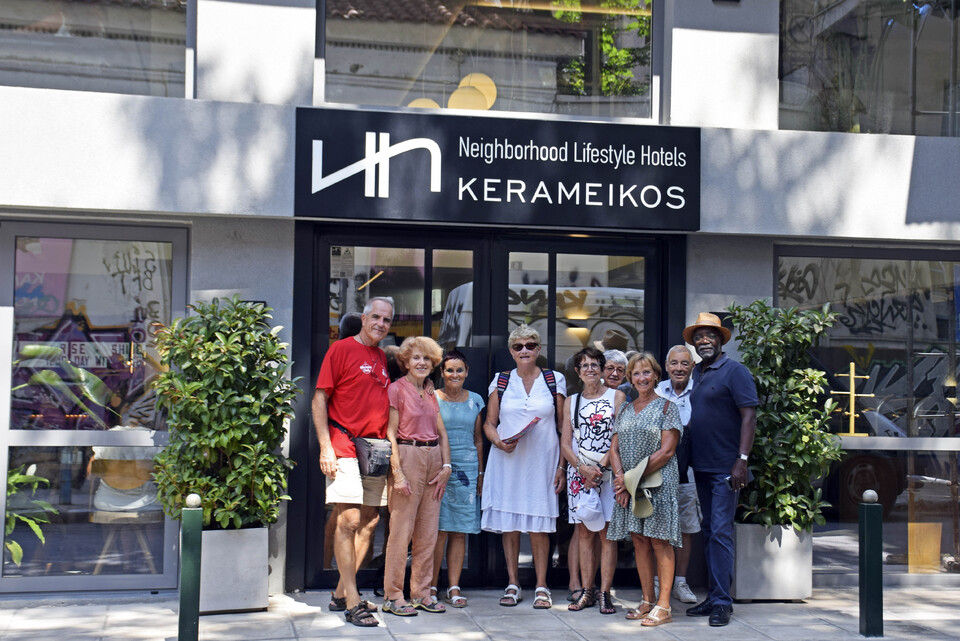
[{"x": 518, "y": 347}]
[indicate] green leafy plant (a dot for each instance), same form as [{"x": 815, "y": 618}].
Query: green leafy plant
[
  {"x": 793, "y": 445},
  {"x": 616, "y": 63},
  {"x": 89, "y": 385},
  {"x": 228, "y": 400},
  {"x": 23, "y": 508}
]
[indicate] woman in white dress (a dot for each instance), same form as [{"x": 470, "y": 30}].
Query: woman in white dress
[{"x": 524, "y": 476}]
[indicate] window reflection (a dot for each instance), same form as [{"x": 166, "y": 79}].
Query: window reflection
[
  {"x": 82, "y": 510},
  {"x": 897, "y": 325},
  {"x": 85, "y": 312},
  {"x": 452, "y": 304},
  {"x": 599, "y": 300},
  {"x": 95, "y": 45},
  {"x": 589, "y": 57},
  {"x": 868, "y": 66},
  {"x": 897, "y": 328},
  {"x": 918, "y": 492},
  {"x": 358, "y": 274}
]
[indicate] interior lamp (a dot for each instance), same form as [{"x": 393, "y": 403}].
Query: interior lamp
[
  {"x": 467, "y": 98},
  {"x": 424, "y": 103},
  {"x": 484, "y": 84}
]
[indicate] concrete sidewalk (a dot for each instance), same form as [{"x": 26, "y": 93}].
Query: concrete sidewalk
[{"x": 909, "y": 613}]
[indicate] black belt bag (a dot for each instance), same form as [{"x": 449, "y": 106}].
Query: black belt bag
[{"x": 373, "y": 454}]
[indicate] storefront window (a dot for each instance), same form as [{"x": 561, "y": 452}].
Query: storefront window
[
  {"x": 80, "y": 306},
  {"x": 85, "y": 314},
  {"x": 95, "y": 45},
  {"x": 586, "y": 57},
  {"x": 897, "y": 335},
  {"x": 82, "y": 511},
  {"x": 869, "y": 66}
]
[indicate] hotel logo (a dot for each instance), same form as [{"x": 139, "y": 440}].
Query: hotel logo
[{"x": 378, "y": 152}]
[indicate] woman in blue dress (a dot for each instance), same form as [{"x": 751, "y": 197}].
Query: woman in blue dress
[{"x": 460, "y": 508}]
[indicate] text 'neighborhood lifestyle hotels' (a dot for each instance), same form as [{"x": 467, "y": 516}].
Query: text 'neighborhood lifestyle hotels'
[{"x": 587, "y": 193}]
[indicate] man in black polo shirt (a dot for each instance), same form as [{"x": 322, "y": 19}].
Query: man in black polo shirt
[{"x": 722, "y": 424}]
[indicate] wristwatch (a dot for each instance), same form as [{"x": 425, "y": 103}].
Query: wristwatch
[{"x": 744, "y": 457}]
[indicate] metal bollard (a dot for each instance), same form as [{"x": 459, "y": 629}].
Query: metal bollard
[
  {"x": 191, "y": 527},
  {"x": 871, "y": 566}
]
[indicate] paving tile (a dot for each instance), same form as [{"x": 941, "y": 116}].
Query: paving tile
[
  {"x": 522, "y": 635},
  {"x": 442, "y": 636},
  {"x": 798, "y": 631},
  {"x": 326, "y": 624},
  {"x": 252, "y": 625},
  {"x": 697, "y": 629},
  {"x": 452, "y": 621},
  {"x": 522, "y": 621},
  {"x": 57, "y": 620},
  {"x": 45, "y": 636}
]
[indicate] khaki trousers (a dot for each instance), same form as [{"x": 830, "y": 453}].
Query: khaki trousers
[{"x": 415, "y": 519}]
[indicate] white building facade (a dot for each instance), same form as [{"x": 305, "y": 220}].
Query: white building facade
[{"x": 156, "y": 155}]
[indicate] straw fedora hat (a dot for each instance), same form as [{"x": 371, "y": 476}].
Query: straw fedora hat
[
  {"x": 706, "y": 319},
  {"x": 639, "y": 488}
]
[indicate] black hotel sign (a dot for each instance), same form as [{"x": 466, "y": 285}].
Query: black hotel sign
[{"x": 369, "y": 165}]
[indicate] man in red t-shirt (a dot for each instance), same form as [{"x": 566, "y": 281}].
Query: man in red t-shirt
[{"x": 352, "y": 393}]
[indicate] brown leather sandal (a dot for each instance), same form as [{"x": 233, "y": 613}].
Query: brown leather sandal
[
  {"x": 605, "y": 601},
  {"x": 586, "y": 600}
]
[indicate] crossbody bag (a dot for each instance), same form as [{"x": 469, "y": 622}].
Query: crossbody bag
[{"x": 373, "y": 454}]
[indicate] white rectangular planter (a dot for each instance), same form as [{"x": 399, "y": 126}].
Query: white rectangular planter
[
  {"x": 772, "y": 563},
  {"x": 233, "y": 570}
]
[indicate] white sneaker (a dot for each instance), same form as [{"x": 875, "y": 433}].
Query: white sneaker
[{"x": 683, "y": 593}]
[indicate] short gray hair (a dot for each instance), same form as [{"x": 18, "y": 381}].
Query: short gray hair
[
  {"x": 383, "y": 299},
  {"x": 615, "y": 356},
  {"x": 677, "y": 348},
  {"x": 522, "y": 332}
]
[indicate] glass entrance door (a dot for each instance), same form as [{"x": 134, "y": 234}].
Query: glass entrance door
[{"x": 468, "y": 291}]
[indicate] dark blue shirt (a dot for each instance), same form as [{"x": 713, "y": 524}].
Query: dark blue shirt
[{"x": 719, "y": 391}]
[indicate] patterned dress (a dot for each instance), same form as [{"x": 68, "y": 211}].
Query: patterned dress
[
  {"x": 593, "y": 434},
  {"x": 460, "y": 509},
  {"x": 639, "y": 437}
]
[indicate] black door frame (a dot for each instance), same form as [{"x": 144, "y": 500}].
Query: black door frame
[{"x": 664, "y": 309}]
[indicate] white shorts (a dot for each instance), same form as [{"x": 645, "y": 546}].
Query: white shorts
[
  {"x": 689, "y": 508},
  {"x": 350, "y": 487}
]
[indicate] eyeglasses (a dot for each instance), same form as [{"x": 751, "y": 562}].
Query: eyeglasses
[
  {"x": 589, "y": 366},
  {"x": 518, "y": 347},
  {"x": 614, "y": 368}
]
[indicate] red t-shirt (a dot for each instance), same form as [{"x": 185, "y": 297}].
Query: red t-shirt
[{"x": 355, "y": 380}]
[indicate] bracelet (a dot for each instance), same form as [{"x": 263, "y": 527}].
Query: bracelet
[
  {"x": 620, "y": 471},
  {"x": 448, "y": 465},
  {"x": 481, "y": 473},
  {"x": 559, "y": 467}
]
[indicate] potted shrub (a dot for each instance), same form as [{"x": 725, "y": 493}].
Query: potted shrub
[
  {"x": 792, "y": 449},
  {"x": 228, "y": 402}
]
